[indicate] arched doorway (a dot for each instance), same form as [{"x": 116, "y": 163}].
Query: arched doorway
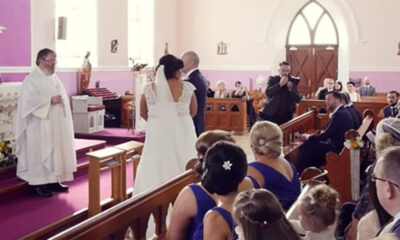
[{"x": 312, "y": 47}]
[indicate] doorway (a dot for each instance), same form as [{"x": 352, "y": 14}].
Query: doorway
[
  {"x": 312, "y": 47},
  {"x": 312, "y": 64}
]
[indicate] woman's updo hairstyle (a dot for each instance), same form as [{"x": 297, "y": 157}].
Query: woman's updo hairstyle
[
  {"x": 225, "y": 166},
  {"x": 321, "y": 203},
  {"x": 266, "y": 139},
  {"x": 171, "y": 64},
  {"x": 205, "y": 141}
]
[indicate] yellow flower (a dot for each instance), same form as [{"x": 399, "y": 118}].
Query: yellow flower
[
  {"x": 354, "y": 143},
  {"x": 1, "y": 144}
]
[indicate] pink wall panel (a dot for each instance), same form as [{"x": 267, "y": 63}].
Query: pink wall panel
[
  {"x": 382, "y": 81},
  {"x": 15, "y": 42}
]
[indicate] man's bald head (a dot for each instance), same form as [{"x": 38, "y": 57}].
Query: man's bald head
[{"x": 190, "y": 61}]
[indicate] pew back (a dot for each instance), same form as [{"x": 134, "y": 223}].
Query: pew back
[
  {"x": 374, "y": 106},
  {"x": 135, "y": 213},
  {"x": 308, "y": 122},
  {"x": 226, "y": 114}
]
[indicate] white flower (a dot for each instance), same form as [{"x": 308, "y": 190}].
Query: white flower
[
  {"x": 261, "y": 142},
  {"x": 227, "y": 165},
  {"x": 354, "y": 143}
]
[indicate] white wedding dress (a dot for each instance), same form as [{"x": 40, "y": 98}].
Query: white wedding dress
[{"x": 170, "y": 135}]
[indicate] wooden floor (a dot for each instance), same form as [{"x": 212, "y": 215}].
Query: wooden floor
[{"x": 243, "y": 141}]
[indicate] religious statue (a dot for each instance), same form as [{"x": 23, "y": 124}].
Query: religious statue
[
  {"x": 86, "y": 72},
  {"x": 222, "y": 48},
  {"x": 166, "y": 48}
]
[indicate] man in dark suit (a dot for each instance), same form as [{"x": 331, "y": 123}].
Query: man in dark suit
[
  {"x": 282, "y": 96},
  {"x": 354, "y": 112},
  {"x": 391, "y": 110},
  {"x": 191, "y": 69},
  {"x": 367, "y": 89},
  {"x": 330, "y": 139},
  {"x": 387, "y": 180},
  {"x": 329, "y": 84}
]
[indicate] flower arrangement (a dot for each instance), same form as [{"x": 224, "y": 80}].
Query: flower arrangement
[
  {"x": 7, "y": 157},
  {"x": 354, "y": 143}
]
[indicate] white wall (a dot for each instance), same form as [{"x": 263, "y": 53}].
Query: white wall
[
  {"x": 203, "y": 23},
  {"x": 112, "y": 24}
]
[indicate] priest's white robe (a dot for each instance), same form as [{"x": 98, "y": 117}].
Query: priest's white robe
[{"x": 44, "y": 132}]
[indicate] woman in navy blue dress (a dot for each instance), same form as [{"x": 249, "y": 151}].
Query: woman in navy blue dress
[
  {"x": 194, "y": 200},
  {"x": 270, "y": 169}
]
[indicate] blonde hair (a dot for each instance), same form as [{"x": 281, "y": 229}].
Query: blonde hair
[
  {"x": 321, "y": 203},
  {"x": 266, "y": 139},
  {"x": 219, "y": 82},
  {"x": 387, "y": 135}
]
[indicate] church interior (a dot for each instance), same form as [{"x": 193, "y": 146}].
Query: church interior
[{"x": 107, "y": 51}]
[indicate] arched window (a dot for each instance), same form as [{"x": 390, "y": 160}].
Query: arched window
[{"x": 312, "y": 25}]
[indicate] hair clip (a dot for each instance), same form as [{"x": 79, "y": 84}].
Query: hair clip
[
  {"x": 227, "y": 165},
  {"x": 261, "y": 141},
  {"x": 312, "y": 200}
]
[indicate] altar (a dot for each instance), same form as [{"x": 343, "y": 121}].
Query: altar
[{"x": 9, "y": 93}]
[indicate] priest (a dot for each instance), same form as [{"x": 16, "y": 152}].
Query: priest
[{"x": 43, "y": 130}]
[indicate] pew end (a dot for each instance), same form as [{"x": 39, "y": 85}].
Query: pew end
[
  {"x": 338, "y": 165},
  {"x": 134, "y": 213}
]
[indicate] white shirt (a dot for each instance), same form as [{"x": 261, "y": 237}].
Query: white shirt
[{"x": 190, "y": 72}]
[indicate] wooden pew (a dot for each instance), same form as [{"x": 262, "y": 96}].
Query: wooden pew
[
  {"x": 308, "y": 122},
  {"x": 219, "y": 114},
  {"x": 375, "y": 106},
  {"x": 338, "y": 165},
  {"x": 135, "y": 212},
  {"x": 112, "y": 159}
]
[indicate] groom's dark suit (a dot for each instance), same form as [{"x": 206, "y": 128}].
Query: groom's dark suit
[
  {"x": 199, "y": 81},
  {"x": 328, "y": 140}
]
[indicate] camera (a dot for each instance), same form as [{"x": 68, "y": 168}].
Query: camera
[{"x": 294, "y": 80}]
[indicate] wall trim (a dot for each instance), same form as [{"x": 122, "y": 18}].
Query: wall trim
[
  {"x": 375, "y": 69},
  {"x": 26, "y": 69},
  {"x": 235, "y": 68}
]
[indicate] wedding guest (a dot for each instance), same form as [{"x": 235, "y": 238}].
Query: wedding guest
[
  {"x": 329, "y": 84},
  {"x": 391, "y": 109},
  {"x": 367, "y": 89},
  {"x": 351, "y": 90},
  {"x": 194, "y": 200},
  {"x": 271, "y": 170},
  {"x": 259, "y": 215},
  {"x": 338, "y": 86},
  {"x": 225, "y": 167},
  {"x": 210, "y": 92},
  {"x": 317, "y": 213},
  {"x": 221, "y": 91}
]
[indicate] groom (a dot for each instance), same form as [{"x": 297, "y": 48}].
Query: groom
[{"x": 191, "y": 69}]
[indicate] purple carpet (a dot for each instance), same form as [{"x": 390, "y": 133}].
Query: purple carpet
[
  {"x": 22, "y": 213},
  {"x": 114, "y": 136}
]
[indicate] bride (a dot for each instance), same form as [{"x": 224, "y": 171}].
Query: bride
[{"x": 168, "y": 106}]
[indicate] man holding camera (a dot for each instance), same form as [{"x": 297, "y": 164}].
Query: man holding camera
[{"x": 282, "y": 96}]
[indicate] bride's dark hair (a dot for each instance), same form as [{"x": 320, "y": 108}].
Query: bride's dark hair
[{"x": 171, "y": 65}]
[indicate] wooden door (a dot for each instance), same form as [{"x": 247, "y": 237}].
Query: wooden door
[{"x": 312, "y": 64}]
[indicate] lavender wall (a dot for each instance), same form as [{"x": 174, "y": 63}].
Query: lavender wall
[
  {"x": 15, "y": 44},
  {"x": 382, "y": 81}
]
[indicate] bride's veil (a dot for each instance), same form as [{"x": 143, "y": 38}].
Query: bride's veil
[{"x": 164, "y": 99}]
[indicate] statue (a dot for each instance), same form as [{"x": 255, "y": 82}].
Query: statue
[{"x": 86, "y": 72}]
